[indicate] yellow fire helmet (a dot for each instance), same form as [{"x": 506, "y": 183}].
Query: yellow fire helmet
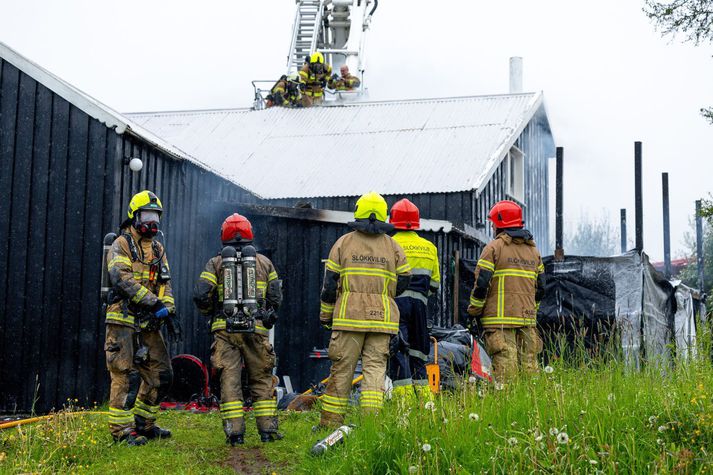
[
  {"x": 144, "y": 200},
  {"x": 316, "y": 58},
  {"x": 369, "y": 203}
]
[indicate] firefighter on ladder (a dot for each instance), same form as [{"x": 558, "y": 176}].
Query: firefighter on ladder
[
  {"x": 412, "y": 345},
  {"x": 314, "y": 75},
  {"x": 230, "y": 350},
  {"x": 509, "y": 285},
  {"x": 141, "y": 298},
  {"x": 365, "y": 270}
]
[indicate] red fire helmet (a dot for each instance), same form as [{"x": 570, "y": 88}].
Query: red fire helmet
[
  {"x": 506, "y": 214},
  {"x": 405, "y": 215},
  {"x": 236, "y": 228}
]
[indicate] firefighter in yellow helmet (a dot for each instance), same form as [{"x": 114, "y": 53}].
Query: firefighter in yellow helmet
[
  {"x": 139, "y": 302},
  {"x": 509, "y": 285},
  {"x": 234, "y": 347},
  {"x": 314, "y": 75},
  {"x": 286, "y": 92},
  {"x": 365, "y": 270}
]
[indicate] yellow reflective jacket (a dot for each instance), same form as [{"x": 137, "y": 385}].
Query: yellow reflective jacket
[
  {"x": 209, "y": 289},
  {"x": 314, "y": 83},
  {"x": 368, "y": 266},
  {"x": 509, "y": 282},
  {"x": 134, "y": 280},
  {"x": 422, "y": 256}
]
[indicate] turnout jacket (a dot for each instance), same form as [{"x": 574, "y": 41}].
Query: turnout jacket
[
  {"x": 422, "y": 256},
  {"x": 314, "y": 83},
  {"x": 509, "y": 281},
  {"x": 344, "y": 83},
  {"x": 360, "y": 283},
  {"x": 135, "y": 282},
  {"x": 208, "y": 292}
]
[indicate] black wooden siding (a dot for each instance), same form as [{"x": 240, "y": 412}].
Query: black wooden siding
[{"x": 63, "y": 185}]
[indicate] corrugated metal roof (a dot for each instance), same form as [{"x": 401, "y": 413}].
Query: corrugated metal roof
[{"x": 414, "y": 146}]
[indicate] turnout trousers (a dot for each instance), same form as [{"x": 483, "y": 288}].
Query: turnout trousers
[
  {"x": 409, "y": 367},
  {"x": 137, "y": 387},
  {"x": 345, "y": 348},
  {"x": 512, "y": 349},
  {"x": 228, "y": 354}
]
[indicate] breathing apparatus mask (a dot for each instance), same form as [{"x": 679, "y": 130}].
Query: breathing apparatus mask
[{"x": 146, "y": 223}]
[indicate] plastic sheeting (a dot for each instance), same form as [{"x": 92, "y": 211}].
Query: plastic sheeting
[{"x": 591, "y": 299}]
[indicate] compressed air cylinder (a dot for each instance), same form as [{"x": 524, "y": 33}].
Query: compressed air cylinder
[
  {"x": 336, "y": 437},
  {"x": 105, "y": 284},
  {"x": 229, "y": 269},
  {"x": 249, "y": 280}
]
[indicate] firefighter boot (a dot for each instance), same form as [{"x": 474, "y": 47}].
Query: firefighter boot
[
  {"x": 270, "y": 436},
  {"x": 131, "y": 438},
  {"x": 235, "y": 439},
  {"x": 150, "y": 430}
]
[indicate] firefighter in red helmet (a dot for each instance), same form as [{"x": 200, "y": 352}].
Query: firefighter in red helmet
[
  {"x": 509, "y": 285},
  {"x": 410, "y": 348},
  {"x": 230, "y": 350}
]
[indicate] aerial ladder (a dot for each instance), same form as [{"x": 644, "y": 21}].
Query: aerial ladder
[{"x": 336, "y": 28}]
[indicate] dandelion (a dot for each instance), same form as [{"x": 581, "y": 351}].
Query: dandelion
[
  {"x": 472, "y": 379},
  {"x": 554, "y": 431},
  {"x": 652, "y": 420},
  {"x": 538, "y": 435},
  {"x": 659, "y": 441},
  {"x": 611, "y": 397},
  {"x": 549, "y": 369},
  {"x": 426, "y": 447},
  {"x": 413, "y": 469},
  {"x": 662, "y": 429},
  {"x": 562, "y": 438},
  {"x": 430, "y": 405},
  {"x": 512, "y": 441},
  {"x": 473, "y": 417}
]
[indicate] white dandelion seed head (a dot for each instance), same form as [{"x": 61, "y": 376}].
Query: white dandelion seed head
[
  {"x": 659, "y": 441},
  {"x": 652, "y": 420},
  {"x": 472, "y": 379},
  {"x": 549, "y": 369},
  {"x": 473, "y": 417},
  {"x": 426, "y": 447},
  {"x": 413, "y": 469},
  {"x": 430, "y": 405},
  {"x": 562, "y": 438},
  {"x": 554, "y": 431},
  {"x": 611, "y": 397},
  {"x": 662, "y": 429},
  {"x": 512, "y": 441},
  {"x": 538, "y": 435}
]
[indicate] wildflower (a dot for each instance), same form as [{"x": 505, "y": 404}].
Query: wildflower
[
  {"x": 554, "y": 431},
  {"x": 611, "y": 397},
  {"x": 659, "y": 441},
  {"x": 474, "y": 417},
  {"x": 445, "y": 420},
  {"x": 562, "y": 438},
  {"x": 593, "y": 462},
  {"x": 472, "y": 379},
  {"x": 538, "y": 435},
  {"x": 512, "y": 441},
  {"x": 426, "y": 447},
  {"x": 549, "y": 369},
  {"x": 481, "y": 393},
  {"x": 582, "y": 412},
  {"x": 499, "y": 386},
  {"x": 652, "y": 420},
  {"x": 413, "y": 469},
  {"x": 662, "y": 429},
  {"x": 513, "y": 423},
  {"x": 430, "y": 405}
]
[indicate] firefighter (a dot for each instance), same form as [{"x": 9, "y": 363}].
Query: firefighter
[
  {"x": 285, "y": 92},
  {"x": 509, "y": 285},
  {"x": 313, "y": 79},
  {"x": 347, "y": 82},
  {"x": 412, "y": 345},
  {"x": 230, "y": 351},
  {"x": 141, "y": 298},
  {"x": 365, "y": 270}
]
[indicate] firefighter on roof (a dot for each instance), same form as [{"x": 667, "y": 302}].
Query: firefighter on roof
[
  {"x": 365, "y": 270},
  {"x": 412, "y": 345},
  {"x": 246, "y": 344},
  {"x": 345, "y": 82},
  {"x": 314, "y": 76},
  {"x": 509, "y": 285},
  {"x": 140, "y": 300},
  {"x": 285, "y": 92}
]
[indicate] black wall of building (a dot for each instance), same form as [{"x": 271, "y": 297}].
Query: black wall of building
[{"x": 63, "y": 185}]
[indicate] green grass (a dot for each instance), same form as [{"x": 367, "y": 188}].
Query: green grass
[{"x": 615, "y": 421}]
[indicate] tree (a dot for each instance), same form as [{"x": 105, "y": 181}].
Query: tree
[
  {"x": 692, "y": 18},
  {"x": 592, "y": 237},
  {"x": 689, "y": 274}
]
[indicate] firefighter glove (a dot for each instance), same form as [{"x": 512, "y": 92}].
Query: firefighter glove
[
  {"x": 159, "y": 310},
  {"x": 269, "y": 318}
]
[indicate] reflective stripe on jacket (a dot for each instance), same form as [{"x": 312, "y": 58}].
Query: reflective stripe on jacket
[
  {"x": 368, "y": 266},
  {"x": 507, "y": 277},
  {"x": 422, "y": 256},
  {"x": 314, "y": 83},
  {"x": 133, "y": 279},
  {"x": 209, "y": 288}
]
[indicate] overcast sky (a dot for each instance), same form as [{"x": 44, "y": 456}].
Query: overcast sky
[{"x": 608, "y": 78}]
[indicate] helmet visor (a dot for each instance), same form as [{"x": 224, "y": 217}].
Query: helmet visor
[{"x": 149, "y": 216}]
